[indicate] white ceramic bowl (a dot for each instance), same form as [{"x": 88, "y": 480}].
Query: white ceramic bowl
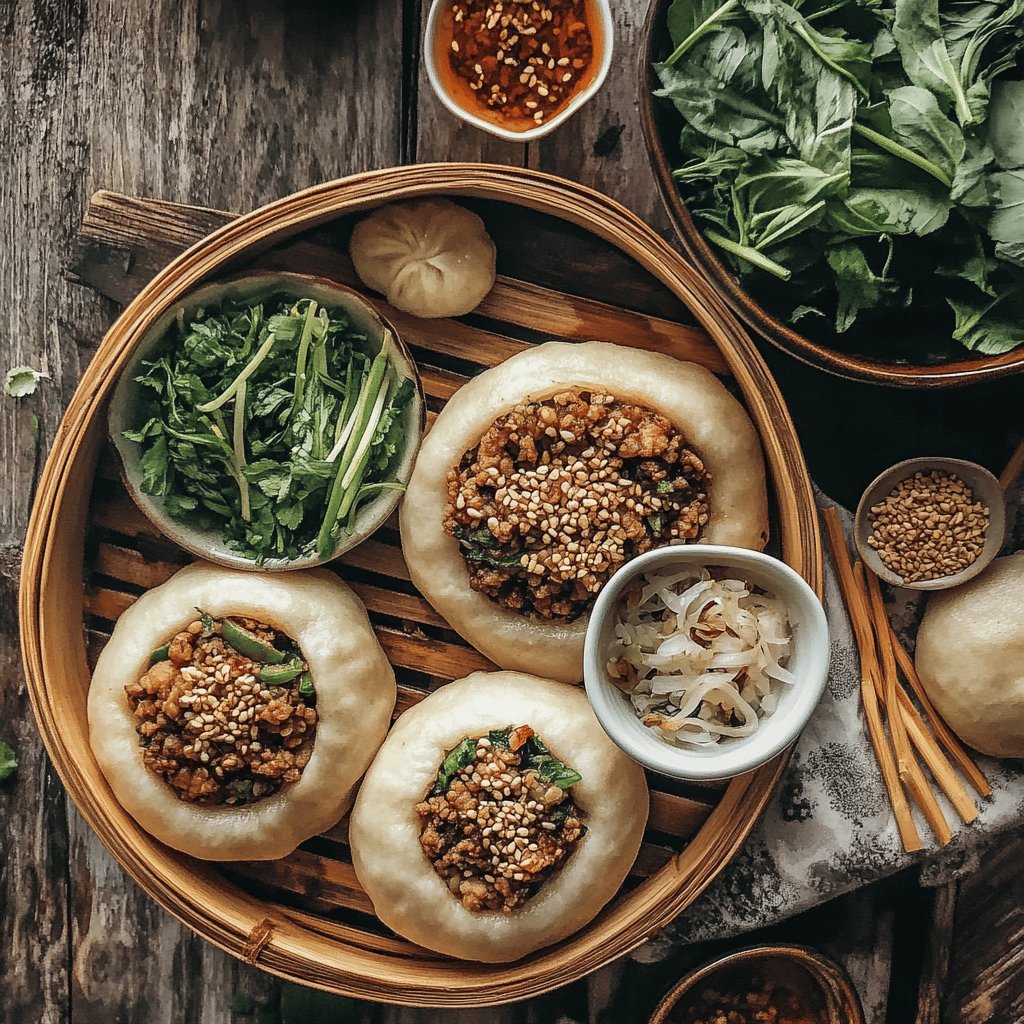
[
  {"x": 604, "y": 34},
  {"x": 125, "y": 403},
  {"x": 731, "y": 755}
]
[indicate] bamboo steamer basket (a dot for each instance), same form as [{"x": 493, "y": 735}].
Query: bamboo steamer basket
[{"x": 354, "y": 955}]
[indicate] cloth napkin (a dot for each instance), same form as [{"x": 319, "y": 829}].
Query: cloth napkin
[{"x": 830, "y": 828}]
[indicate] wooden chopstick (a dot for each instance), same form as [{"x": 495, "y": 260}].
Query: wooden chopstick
[
  {"x": 945, "y": 735},
  {"x": 885, "y": 666},
  {"x": 860, "y": 620}
]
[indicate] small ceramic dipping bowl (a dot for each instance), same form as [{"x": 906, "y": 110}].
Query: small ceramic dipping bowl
[
  {"x": 817, "y": 985},
  {"x": 462, "y": 101},
  {"x": 732, "y": 755},
  {"x": 985, "y": 488},
  {"x": 126, "y": 403}
]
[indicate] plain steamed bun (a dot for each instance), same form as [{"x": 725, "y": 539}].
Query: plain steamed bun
[
  {"x": 970, "y": 657},
  {"x": 428, "y": 257}
]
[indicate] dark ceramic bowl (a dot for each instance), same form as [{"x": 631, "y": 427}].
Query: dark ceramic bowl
[
  {"x": 823, "y": 985},
  {"x": 895, "y": 348}
]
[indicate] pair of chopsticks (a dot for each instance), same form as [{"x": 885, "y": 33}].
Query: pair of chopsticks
[{"x": 907, "y": 737}]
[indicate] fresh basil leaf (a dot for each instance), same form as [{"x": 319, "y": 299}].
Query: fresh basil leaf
[
  {"x": 989, "y": 325},
  {"x": 1006, "y": 224},
  {"x": 920, "y": 125},
  {"x": 858, "y": 285},
  {"x": 455, "y": 760},
  {"x": 922, "y": 46},
  {"x": 1006, "y": 124},
  {"x": 717, "y": 110}
]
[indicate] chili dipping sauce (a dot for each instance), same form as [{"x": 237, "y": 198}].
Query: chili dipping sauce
[{"x": 517, "y": 63}]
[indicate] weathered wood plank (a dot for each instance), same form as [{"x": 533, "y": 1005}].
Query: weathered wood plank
[
  {"x": 602, "y": 143},
  {"x": 211, "y": 101},
  {"x": 985, "y": 978}
]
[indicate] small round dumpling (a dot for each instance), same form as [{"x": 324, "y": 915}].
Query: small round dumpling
[
  {"x": 970, "y": 657},
  {"x": 412, "y": 898},
  {"x": 692, "y": 399},
  {"x": 355, "y": 696},
  {"x": 428, "y": 257}
]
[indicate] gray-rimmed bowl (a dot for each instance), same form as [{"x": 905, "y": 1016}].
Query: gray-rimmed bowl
[
  {"x": 126, "y": 402},
  {"x": 985, "y": 488},
  {"x": 732, "y": 755}
]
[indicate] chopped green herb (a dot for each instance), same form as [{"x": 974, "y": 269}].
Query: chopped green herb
[
  {"x": 160, "y": 654},
  {"x": 533, "y": 754},
  {"x": 500, "y": 737},
  {"x": 665, "y": 487},
  {"x": 8, "y": 761},
  {"x": 456, "y": 759},
  {"x": 270, "y": 422},
  {"x": 656, "y": 521}
]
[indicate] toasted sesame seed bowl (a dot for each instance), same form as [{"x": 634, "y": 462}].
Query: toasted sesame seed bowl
[
  {"x": 984, "y": 488},
  {"x": 731, "y": 755}
]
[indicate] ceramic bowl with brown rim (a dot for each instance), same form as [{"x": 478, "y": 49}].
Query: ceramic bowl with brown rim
[
  {"x": 126, "y": 402},
  {"x": 798, "y": 978},
  {"x": 899, "y": 348},
  {"x": 984, "y": 488}
]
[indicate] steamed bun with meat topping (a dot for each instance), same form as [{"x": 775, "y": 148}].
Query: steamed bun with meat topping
[
  {"x": 497, "y": 818},
  {"x": 428, "y": 257},
  {"x": 970, "y": 657},
  {"x": 545, "y": 474},
  {"x": 233, "y": 713}
]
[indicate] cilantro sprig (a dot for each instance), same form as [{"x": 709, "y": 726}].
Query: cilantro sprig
[{"x": 271, "y": 421}]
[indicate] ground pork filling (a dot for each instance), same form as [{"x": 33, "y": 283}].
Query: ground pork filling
[
  {"x": 559, "y": 493},
  {"x": 221, "y": 725},
  {"x": 497, "y": 825}
]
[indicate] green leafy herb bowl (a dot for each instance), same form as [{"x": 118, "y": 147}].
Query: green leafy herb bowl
[
  {"x": 906, "y": 347},
  {"x": 131, "y": 411}
]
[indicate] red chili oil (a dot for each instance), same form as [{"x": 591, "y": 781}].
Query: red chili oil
[{"x": 517, "y": 63}]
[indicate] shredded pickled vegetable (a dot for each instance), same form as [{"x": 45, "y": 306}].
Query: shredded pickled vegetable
[{"x": 701, "y": 658}]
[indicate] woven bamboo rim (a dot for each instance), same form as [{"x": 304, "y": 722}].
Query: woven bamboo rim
[{"x": 300, "y": 946}]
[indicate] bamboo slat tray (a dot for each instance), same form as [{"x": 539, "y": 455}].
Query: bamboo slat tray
[{"x": 561, "y": 248}]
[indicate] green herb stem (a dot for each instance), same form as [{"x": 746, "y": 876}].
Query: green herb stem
[
  {"x": 364, "y": 407},
  {"x": 750, "y": 255},
  {"x": 357, "y": 469},
  {"x": 884, "y": 142},
  {"x": 790, "y": 226},
  {"x": 250, "y": 368},
  {"x": 702, "y": 30},
  {"x": 302, "y": 355},
  {"x": 238, "y": 443},
  {"x": 801, "y": 31}
]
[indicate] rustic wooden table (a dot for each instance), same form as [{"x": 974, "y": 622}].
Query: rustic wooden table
[{"x": 233, "y": 105}]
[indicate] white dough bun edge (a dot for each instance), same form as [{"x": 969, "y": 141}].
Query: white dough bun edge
[
  {"x": 970, "y": 657},
  {"x": 412, "y": 899},
  {"x": 689, "y": 395},
  {"x": 355, "y": 687}
]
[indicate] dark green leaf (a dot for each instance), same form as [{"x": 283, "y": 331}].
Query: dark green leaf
[
  {"x": 500, "y": 737},
  {"x": 8, "y": 761},
  {"x": 456, "y": 759}
]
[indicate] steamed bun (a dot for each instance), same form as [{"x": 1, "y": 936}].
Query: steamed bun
[
  {"x": 428, "y": 257},
  {"x": 970, "y": 657}
]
